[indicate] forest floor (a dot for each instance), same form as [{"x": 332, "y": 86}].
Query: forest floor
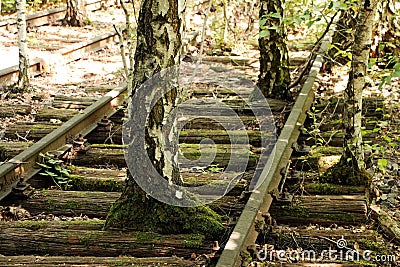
[{"x": 104, "y": 68}]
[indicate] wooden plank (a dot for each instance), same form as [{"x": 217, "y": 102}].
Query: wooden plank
[{"x": 52, "y": 261}]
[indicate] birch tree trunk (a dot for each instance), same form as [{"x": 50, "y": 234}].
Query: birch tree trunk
[
  {"x": 274, "y": 77},
  {"x": 387, "y": 32},
  {"x": 23, "y": 74},
  {"x": 76, "y": 13},
  {"x": 158, "y": 47},
  {"x": 350, "y": 169},
  {"x": 353, "y": 151}
]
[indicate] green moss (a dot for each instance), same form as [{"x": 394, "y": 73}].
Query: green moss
[
  {"x": 303, "y": 212},
  {"x": 146, "y": 236},
  {"x": 331, "y": 189},
  {"x": 81, "y": 183},
  {"x": 345, "y": 174},
  {"x": 44, "y": 192},
  {"x": 223, "y": 151},
  {"x": 337, "y": 122},
  {"x": 120, "y": 263},
  {"x": 245, "y": 256},
  {"x": 336, "y": 217},
  {"x": 296, "y": 211},
  {"x": 193, "y": 241},
  {"x": 43, "y": 127},
  {"x": 327, "y": 150},
  {"x": 36, "y": 225},
  {"x": 134, "y": 213},
  {"x": 70, "y": 204},
  {"x": 32, "y": 225},
  {"x": 51, "y": 201},
  {"x": 374, "y": 246}
]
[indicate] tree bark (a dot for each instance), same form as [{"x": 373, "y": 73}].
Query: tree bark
[
  {"x": 158, "y": 47},
  {"x": 353, "y": 153},
  {"x": 274, "y": 77},
  {"x": 76, "y": 13},
  {"x": 387, "y": 32},
  {"x": 23, "y": 71}
]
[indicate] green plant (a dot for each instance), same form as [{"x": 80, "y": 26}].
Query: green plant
[
  {"x": 314, "y": 131},
  {"x": 395, "y": 73},
  {"x": 214, "y": 168},
  {"x": 52, "y": 167}
]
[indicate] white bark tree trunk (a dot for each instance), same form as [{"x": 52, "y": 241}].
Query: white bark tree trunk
[
  {"x": 353, "y": 93},
  {"x": 23, "y": 75},
  {"x": 274, "y": 77},
  {"x": 76, "y": 13},
  {"x": 159, "y": 43}
]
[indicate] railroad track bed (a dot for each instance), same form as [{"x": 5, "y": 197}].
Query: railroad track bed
[
  {"x": 73, "y": 78},
  {"x": 311, "y": 215},
  {"x": 97, "y": 171},
  {"x": 307, "y": 214},
  {"x": 52, "y": 46}
]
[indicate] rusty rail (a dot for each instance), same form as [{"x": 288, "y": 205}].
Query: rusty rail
[
  {"x": 46, "y": 16},
  {"x": 22, "y": 166},
  {"x": 244, "y": 233}
]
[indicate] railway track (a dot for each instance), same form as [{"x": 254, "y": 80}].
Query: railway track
[
  {"x": 245, "y": 233},
  {"x": 46, "y": 16},
  {"x": 67, "y": 54},
  {"x": 20, "y": 171},
  {"x": 42, "y": 200},
  {"x": 65, "y": 226}
]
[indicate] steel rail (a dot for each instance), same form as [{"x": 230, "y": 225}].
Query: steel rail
[
  {"x": 22, "y": 166},
  {"x": 45, "y": 17},
  {"x": 244, "y": 233},
  {"x": 68, "y": 54}
]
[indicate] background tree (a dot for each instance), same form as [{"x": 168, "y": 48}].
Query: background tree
[
  {"x": 386, "y": 42},
  {"x": 76, "y": 13},
  {"x": 342, "y": 38},
  {"x": 274, "y": 77},
  {"x": 350, "y": 169},
  {"x": 23, "y": 70},
  {"x": 158, "y": 47}
]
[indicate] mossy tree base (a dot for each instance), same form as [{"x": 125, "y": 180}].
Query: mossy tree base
[
  {"x": 143, "y": 213},
  {"x": 346, "y": 172}
]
